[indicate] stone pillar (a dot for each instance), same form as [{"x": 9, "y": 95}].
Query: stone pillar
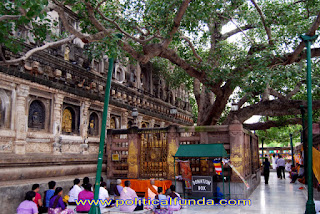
[
  {"x": 173, "y": 144},
  {"x": 134, "y": 153},
  {"x": 124, "y": 119},
  {"x": 139, "y": 121},
  {"x": 162, "y": 124},
  {"x": 108, "y": 117},
  {"x": 84, "y": 118},
  {"x": 21, "y": 119},
  {"x": 236, "y": 135},
  {"x": 151, "y": 123},
  {"x": 57, "y": 119}
]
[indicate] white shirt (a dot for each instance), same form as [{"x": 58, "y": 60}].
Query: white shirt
[
  {"x": 281, "y": 162},
  {"x": 74, "y": 192},
  {"x": 103, "y": 195}
]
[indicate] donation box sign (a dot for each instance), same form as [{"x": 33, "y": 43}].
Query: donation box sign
[{"x": 202, "y": 184}]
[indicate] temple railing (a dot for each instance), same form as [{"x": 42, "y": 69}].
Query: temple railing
[{"x": 139, "y": 162}]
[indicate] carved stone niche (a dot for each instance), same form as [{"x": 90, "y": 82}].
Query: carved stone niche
[
  {"x": 38, "y": 113},
  {"x": 68, "y": 52},
  {"x": 120, "y": 73},
  {"x": 70, "y": 119},
  {"x": 5, "y": 108}
]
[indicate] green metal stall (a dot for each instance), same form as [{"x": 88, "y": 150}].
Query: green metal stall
[{"x": 203, "y": 152}]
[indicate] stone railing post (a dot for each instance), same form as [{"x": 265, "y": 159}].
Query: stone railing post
[
  {"x": 134, "y": 153},
  {"x": 21, "y": 119},
  {"x": 173, "y": 144},
  {"x": 237, "y": 148}
]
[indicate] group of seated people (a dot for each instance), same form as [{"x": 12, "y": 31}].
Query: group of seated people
[
  {"x": 297, "y": 172},
  {"x": 152, "y": 192},
  {"x": 54, "y": 202}
]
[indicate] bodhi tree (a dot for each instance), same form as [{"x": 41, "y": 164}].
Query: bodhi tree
[{"x": 249, "y": 51}]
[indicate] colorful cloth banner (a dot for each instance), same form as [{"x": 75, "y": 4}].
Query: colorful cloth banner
[
  {"x": 217, "y": 166},
  {"x": 237, "y": 172},
  {"x": 186, "y": 173},
  {"x": 316, "y": 163}
]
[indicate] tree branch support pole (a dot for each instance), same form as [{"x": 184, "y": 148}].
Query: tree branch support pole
[
  {"x": 262, "y": 149},
  {"x": 310, "y": 207},
  {"x": 291, "y": 144},
  {"x": 303, "y": 141},
  {"x": 95, "y": 209}
]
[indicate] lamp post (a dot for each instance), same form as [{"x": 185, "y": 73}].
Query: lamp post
[
  {"x": 310, "y": 207},
  {"x": 234, "y": 106},
  {"x": 291, "y": 144},
  {"x": 95, "y": 208},
  {"x": 135, "y": 114},
  {"x": 173, "y": 111}
]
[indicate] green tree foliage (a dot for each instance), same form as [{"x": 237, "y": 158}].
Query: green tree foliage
[{"x": 194, "y": 42}]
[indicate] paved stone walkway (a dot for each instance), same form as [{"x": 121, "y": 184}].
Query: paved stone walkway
[{"x": 278, "y": 197}]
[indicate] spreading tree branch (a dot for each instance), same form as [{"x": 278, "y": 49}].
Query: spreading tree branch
[
  {"x": 34, "y": 50},
  {"x": 263, "y": 19},
  {"x": 270, "y": 123},
  {"x": 9, "y": 17},
  {"x": 192, "y": 47},
  {"x": 176, "y": 22},
  {"x": 301, "y": 46},
  {"x": 235, "y": 31}
]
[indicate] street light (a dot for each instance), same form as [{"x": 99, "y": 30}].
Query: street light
[
  {"x": 310, "y": 207},
  {"x": 135, "y": 114},
  {"x": 234, "y": 106},
  {"x": 95, "y": 208}
]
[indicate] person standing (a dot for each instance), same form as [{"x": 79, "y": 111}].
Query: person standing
[
  {"x": 281, "y": 166},
  {"x": 266, "y": 170}
]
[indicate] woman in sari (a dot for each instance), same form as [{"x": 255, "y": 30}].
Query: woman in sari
[{"x": 56, "y": 204}]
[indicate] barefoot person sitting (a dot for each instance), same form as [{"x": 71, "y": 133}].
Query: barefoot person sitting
[
  {"x": 28, "y": 206},
  {"x": 129, "y": 194},
  {"x": 152, "y": 190}
]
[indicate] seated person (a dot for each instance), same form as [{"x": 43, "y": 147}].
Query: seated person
[
  {"x": 152, "y": 190},
  {"x": 300, "y": 174},
  {"x": 28, "y": 206},
  {"x": 86, "y": 180},
  {"x": 173, "y": 198},
  {"x": 126, "y": 194},
  {"x": 74, "y": 192},
  {"x": 161, "y": 209},
  {"x": 37, "y": 199},
  {"x": 104, "y": 196},
  {"x": 86, "y": 194},
  {"x": 56, "y": 204},
  {"x": 117, "y": 189},
  {"x": 48, "y": 194}
]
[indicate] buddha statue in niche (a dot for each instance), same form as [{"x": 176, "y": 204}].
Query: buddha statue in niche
[{"x": 67, "y": 121}]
